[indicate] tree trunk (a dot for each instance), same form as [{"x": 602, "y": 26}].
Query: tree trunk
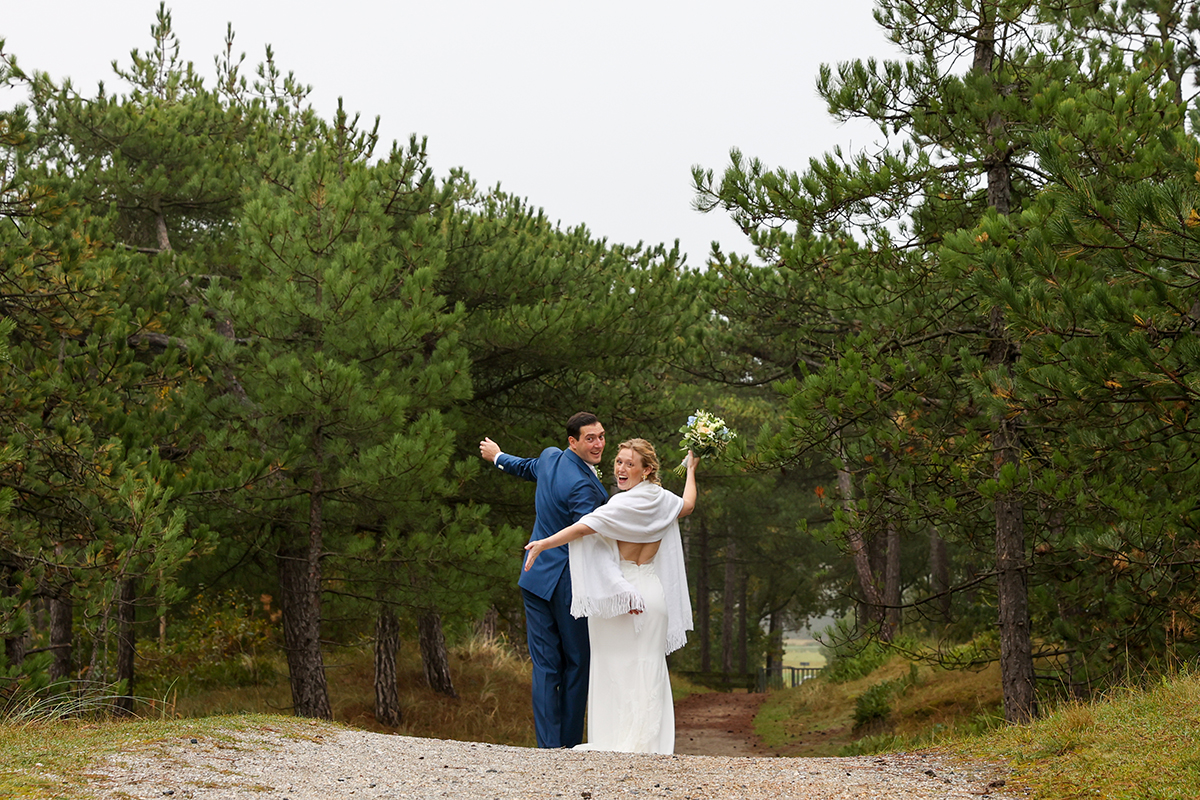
[
  {"x": 742, "y": 632},
  {"x": 774, "y": 641},
  {"x": 300, "y": 603},
  {"x": 999, "y": 185},
  {"x": 1012, "y": 591},
  {"x": 872, "y": 598},
  {"x": 489, "y": 626},
  {"x": 433, "y": 654},
  {"x": 387, "y": 643},
  {"x": 126, "y": 644},
  {"x": 14, "y": 649},
  {"x": 939, "y": 573},
  {"x": 891, "y": 584},
  {"x": 160, "y": 226},
  {"x": 62, "y": 620},
  {"x": 728, "y": 603},
  {"x": 162, "y": 618},
  {"x": 97, "y": 670},
  {"x": 14, "y": 642},
  {"x": 1016, "y": 649},
  {"x": 1077, "y": 679},
  {"x": 703, "y": 603}
]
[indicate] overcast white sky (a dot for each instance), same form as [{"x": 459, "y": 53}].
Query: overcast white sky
[{"x": 594, "y": 111}]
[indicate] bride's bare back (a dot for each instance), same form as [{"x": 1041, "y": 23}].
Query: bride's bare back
[{"x": 638, "y": 553}]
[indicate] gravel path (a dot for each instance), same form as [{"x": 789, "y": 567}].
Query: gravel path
[{"x": 327, "y": 762}]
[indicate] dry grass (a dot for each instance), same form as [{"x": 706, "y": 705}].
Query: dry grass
[
  {"x": 946, "y": 701},
  {"x": 492, "y": 683},
  {"x": 817, "y": 718},
  {"x": 1135, "y": 744},
  {"x": 1142, "y": 744}
]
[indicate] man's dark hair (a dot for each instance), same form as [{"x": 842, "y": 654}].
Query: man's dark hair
[{"x": 580, "y": 421}]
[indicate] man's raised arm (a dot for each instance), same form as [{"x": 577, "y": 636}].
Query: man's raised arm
[{"x": 521, "y": 467}]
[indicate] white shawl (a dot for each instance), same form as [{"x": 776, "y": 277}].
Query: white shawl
[{"x": 645, "y": 513}]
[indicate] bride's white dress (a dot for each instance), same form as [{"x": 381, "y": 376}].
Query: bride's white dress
[{"x": 629, "y": 695}]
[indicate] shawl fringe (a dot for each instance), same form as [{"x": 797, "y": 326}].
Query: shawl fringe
[{"x": 607, "y": 607}]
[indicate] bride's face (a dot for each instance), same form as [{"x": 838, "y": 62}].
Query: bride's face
[{"x": 628, "y": 469}]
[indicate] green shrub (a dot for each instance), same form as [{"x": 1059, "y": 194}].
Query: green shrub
[
  {"x": 853, "y": 661},
  {"x": 226, "y": 640},
  {"x": 873, "y": 706}
]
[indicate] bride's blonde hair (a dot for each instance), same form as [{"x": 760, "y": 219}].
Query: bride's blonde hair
[{"x": 649, "y": 458}]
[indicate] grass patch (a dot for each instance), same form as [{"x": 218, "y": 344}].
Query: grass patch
[
  {"x": 1137, "y": 743},
  {"x": 948, "y": 704},
  {"x": 1134, "y": 744},
  {"x": 907, "y": 708},
  {"x": 493, "y": 703}
]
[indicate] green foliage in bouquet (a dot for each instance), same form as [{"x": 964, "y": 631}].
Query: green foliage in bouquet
[{"x": 705, "y": 435}]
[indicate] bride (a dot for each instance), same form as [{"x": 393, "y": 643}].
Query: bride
[{"x": 629, "y": 581}]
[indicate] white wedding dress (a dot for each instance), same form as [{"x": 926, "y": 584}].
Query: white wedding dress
[{"x": 630, "y": 708}]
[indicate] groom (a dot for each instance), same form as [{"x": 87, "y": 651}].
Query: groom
[{"x": 567, "y": 488}]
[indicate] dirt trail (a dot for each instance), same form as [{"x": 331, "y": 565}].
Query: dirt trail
[{"x": 718, "y": 724}]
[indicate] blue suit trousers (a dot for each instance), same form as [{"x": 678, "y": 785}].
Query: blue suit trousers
[{"x": 560, "y": 651}]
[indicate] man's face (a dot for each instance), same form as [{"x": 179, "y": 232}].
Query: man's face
[{"x": 590, "y": 444}]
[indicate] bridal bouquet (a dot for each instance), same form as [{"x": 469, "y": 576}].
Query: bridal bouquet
[{"x": 705, "y": 435}]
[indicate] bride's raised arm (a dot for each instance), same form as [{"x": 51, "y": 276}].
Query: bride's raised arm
[
  {"x": 689, "y": 487},
  {"x": 568, "y": 534}
]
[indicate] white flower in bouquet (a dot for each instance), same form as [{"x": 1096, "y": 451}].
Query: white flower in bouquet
[{"x": 705, "y": 435}]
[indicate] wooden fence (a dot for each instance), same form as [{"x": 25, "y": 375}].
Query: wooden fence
[
  {"x": 786, "y": 677},
  {"x": 764, "y": 679}
]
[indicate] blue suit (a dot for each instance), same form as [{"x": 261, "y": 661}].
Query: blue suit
[{"x": 567, "y": 488}]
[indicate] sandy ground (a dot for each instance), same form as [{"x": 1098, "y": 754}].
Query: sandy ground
[
  {"x": 318, "y": 761},
  {"x": 718, "y": 756}
]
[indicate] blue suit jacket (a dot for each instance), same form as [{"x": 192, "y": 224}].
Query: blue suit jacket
[{"x": 567, "y": 488}]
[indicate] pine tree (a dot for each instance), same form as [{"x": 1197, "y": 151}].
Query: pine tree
[
  {"x": 91, "y": 409},
  {"x": 351, "y": 355},
  {"x": 903, "y": 365},
  {"x": 1096, "y": 279}
]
